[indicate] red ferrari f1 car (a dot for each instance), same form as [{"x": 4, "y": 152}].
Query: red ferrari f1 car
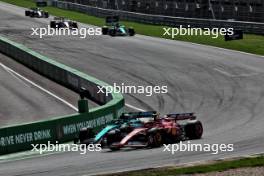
[{"x": 155, "y": 131}]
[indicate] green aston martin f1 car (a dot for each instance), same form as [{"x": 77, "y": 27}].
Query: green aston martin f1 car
[{"x": 114, "y": 28}]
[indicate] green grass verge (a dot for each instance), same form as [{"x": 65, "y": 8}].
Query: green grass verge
[
  {"x": 219, "y": 166},
  {"x": 251, "y": 43}
]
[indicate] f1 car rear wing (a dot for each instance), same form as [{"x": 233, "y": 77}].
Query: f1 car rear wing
[
  {"x": 182, "y": 116},
  {"x": 146, "y": 114},
  {"x": 59, "y": 18},
  {"x": 35, "y": 9}
]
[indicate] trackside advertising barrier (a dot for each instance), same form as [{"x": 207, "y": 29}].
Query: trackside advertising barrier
[
  {"x": 20, "y": 137},
  {"x": 247, "y": 27}
]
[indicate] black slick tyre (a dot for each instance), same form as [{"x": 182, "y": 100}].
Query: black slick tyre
[{"x": 194, "y": 130}]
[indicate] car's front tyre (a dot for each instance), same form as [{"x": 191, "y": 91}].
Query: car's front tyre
[
  {"x": 131, "y": 32},
  {"x": 105, "y": 30}
]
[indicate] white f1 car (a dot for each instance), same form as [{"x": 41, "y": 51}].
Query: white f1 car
[
  {"x": 36, "y": 13},
  {"x": 61, "y": 22}
]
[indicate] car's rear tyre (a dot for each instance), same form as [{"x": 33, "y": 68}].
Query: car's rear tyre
[
  {"x": 46, "y": 14},
  {"x": 113, "y": 137},
  {"x": 150, "y": 141},
  {"x": 31, "y": 14},
  {"x": 104, "y": 30},
  {"x": 194, "y": 130},
  {"x": 86, "y": 134},
  {"x": 112, "y": 32},
  {"x": 53, "y": 24},
  {"x": 158, "y": 139},
  {"x": 27, "y": 13},
  {"x": 131, "y": 32},
  {"x": 74, "y": 25},
  {"x": 76, "y": 140}
]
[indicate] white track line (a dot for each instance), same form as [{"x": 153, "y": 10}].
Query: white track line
[
  {"x": 135, "y": 108},
  {"x": 12, "y": 74},
  {"x": 20, "y": 77},
  {"x": 231, "y": 75},
  {"x": 38, "y": 86}
]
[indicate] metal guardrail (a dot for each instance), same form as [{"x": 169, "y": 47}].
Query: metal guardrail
[{"x": 247, "y": 27}]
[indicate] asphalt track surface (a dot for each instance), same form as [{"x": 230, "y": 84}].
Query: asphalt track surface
[
  {"x": 22, "y": 101},
  {"x": 225, "y": 88}
]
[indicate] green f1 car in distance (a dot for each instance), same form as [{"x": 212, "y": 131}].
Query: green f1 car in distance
[{"x": 114, "y": 28}]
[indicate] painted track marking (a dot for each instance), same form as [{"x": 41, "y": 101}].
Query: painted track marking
[
  {"x": 24, "y": 79},
  {"x": 17, "y": 75},
  {"x": 135, "y": 108},
  {"x": 231, "y": 75}
]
